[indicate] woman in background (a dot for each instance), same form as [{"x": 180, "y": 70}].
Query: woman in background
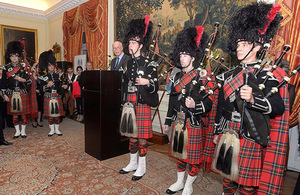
[{"x": 77, "y": 94}]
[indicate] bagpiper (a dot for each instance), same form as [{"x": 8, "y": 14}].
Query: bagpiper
[
  {"x": 52, "y": 88},
  {"x": 187, "y": 106},
  {"x": 251, "y": 129},
  {"x": 18, "y": 87},
  {"x": 139, "y": 92}
]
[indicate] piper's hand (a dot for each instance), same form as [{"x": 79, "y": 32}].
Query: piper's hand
[
  {"x": 50, "y": 83},
  {"x": 5, "y": 97},
  {"x": 35, "y": 64},
  {"x": 142, "y": 81},
  {"x": 65, "y": 86},
  {"x": 246, "y": 94},
  {"x": 166, "y": 128},
  {"x": 215, "y": 140},
  {"x": 20, "y": 79},
  {"x": 190, "y": 103}
]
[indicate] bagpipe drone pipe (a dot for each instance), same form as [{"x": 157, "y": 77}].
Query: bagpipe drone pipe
[{"x": 150, "y": 99}]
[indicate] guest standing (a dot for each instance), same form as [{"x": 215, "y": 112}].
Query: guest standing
[{"x": 3, "y": 98}]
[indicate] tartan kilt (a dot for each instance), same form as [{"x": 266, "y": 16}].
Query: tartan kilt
[
  {"x": 143, "y": 118},
  {"x": 250, "y": 161},
  {"x": 46, "y": 105},
  {"x": 195, "y": 146},
  {"x": 25, "y": 105}
]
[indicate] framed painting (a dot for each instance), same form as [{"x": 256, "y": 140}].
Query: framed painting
[{"x": 13, "y": 33}]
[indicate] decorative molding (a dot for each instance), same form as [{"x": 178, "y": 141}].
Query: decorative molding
[
  {"x": 58, "y": 8},
  {"x": 63, "y": 6},
  {"x": 14, "y": 9}
]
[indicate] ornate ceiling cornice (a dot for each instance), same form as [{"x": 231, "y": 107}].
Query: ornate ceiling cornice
[
  {"x": 63, "y": 6},
  {"x": 60, "y": 7}
]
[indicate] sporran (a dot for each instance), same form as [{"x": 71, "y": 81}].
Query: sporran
[
  {"x": 180, "y": 137},
  {"x": 16, "y": 103},
  {"x": 128, "y": 126},
  {"x": 226, "y": 159},
  {"x": 53, "y": 108}
]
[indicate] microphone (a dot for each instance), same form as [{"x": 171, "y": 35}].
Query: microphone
[{"x": 98, "y": 65}]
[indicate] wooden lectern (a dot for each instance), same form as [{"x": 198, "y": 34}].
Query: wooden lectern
[{"x": 102, "y": 102}]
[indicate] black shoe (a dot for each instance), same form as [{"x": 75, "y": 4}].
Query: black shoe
[
  {"x": 136, "y": 178},
  {"x": 59, "y": 134},
  {"x": 40, "y": 125},
  {"x": 23, "y": 136},
  {"x": 34, "y": 126},
  {"x": 50, "y": 135},
  {"x": 172, "y": 192},
  {"x": 3, "y": 142},
  {"x": 123, "y": 172},
  {"x": 16, "y": 136}
]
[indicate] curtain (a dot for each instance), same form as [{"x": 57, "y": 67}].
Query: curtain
[
  {"x": 290, "y": 34},
  {"x": 93, "y": 16},
  {"x": 72, "y": 33},
  {"x": 95, "y": 25}
]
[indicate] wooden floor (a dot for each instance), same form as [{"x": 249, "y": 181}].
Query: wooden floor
[{"x": 290, "y": 177}]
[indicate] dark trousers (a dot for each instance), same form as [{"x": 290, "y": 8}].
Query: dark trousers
[
  {"x": 297, "y": 187},
  {"x": 1, "y": 126},
  {"x": 4, "y": 115},
  {"x": 79, "y": 105}
]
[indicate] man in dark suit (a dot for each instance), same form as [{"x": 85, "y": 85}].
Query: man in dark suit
[
  {"x": 120, "y": 59},
  {"x": 68, "y": 99}
]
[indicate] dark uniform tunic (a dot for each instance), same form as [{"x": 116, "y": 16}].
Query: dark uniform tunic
[
  {"x": 15, "y": 86},
  {"x": 54, "y": 91},
  {"x": 130, "y": 91}
]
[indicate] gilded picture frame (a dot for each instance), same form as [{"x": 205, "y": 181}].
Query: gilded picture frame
[{"x": 14, "y": 33}]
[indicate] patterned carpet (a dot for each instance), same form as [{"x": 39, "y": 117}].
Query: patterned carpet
[{"x": 59, "y": 165}]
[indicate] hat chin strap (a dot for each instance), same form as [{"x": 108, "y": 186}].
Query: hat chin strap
[
  {"x": 188, "y": 65},
  {"x": 248, "y": 52},
  {"x": 137, "y": 49}
]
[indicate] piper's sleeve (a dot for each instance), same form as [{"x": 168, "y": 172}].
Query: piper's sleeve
[
  {"x": 171, "y": 107},
  {"x": 152, "y": 77},
  {"x": 270, "y": 106},
  {"x": 203, "y": 106},
  {"x": 221, "y": 102}
]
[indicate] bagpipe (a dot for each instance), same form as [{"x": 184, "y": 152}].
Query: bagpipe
[
  {"x": 285, "y": 80},
  {"x": 13, "y": 71},
  {"x": 258, "y": 124}
]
